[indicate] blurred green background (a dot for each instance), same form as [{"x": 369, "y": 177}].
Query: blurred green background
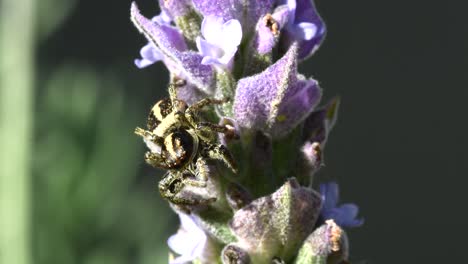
[{"x": 74, "y": 188}]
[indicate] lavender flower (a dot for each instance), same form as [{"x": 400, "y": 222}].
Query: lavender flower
[
  {"x": 345, "y": 214},
  {"x": 304, "y": 26},
  {"x": 247, "y": 12},
  {"x": 246, "y": 52},
  {"x": 182, "y": 63},
  {"x": 220, "y": 41},
  {"x": 150, "y": 52},
  {"x": 189, "y": 241}
]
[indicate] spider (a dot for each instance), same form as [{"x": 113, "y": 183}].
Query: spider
[{"x": 178, "y": 140}]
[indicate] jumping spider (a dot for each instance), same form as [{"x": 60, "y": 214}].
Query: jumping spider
[{"x": 178, "y": 140}]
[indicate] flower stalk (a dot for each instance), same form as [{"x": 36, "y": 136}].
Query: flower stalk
[{"x": 16, "y": 106}]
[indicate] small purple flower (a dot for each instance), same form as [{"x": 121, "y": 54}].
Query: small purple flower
[
  {"x": 220, "y": 41},
  {"x": 345, "y": 214},
  {"x": 189, "y": 241},
  {"x": 300, "y": 30},
  {"x": 183, "y": 63},
  {"x": 305, "y": 26},
  {"x": 150, "y": 53},
  {"x": 248, "y": 12}
]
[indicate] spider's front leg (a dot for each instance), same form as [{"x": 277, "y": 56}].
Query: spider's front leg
[
  {"x": 220, "y": 152},
  {"x": 192, "y": 111},
  {"x": 156, "y": 160},
  {"x": 210, "y": 127}
]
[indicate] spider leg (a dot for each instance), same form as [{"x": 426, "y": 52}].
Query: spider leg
[
  {"x": 156, "y": 160},
  {"x": 172, "y": 89},
  {"x": 205, "y": 102},
  {"x": 220, "y": 152},
  {"x": 212, "y": 127},
  {"x": 192, "y": 111}
]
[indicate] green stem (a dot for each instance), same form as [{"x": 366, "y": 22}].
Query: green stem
[{"x": 16, "y": 100}]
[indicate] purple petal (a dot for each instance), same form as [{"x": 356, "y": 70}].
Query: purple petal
[
  {"x": 166, "y": 38},
  {"x": 150, "y": 54},
  {"x": 304, "y": 13},
  {"x": 208, "y": 60},
  {"x": 188, "y": 242},
  {"x": 191, "y": 67},
  {"x": 163, "y": 18},
  {"x": 281, "y": 15},
  {"x": 275, "y": 100},
  {"x": 247, "y": 12},
  {"x": 265, "y": 36},
  {"x": 307, "y": 30},
  {"x": 185, "y": 64},
  {"x": 227, "y": 9},
  {"x": 345, "y": 214},
  {"x": 319, "y": 123},
  {"x": 257, "y": 9},
  {"x": 231, "y": 35},
  {"x": 208, "y": 49},
  {"x": 300, "y": 99},
  {"x": 330, "y": 195},
  {"x": 221, "y": 41},
  {"x": 212, "y": 27},
  {"x": 176, "y": 8},
  {"x": 189, "y": 93}
]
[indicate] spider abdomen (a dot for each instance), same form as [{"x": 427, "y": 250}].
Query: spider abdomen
[{"x": 180, "y": 147}]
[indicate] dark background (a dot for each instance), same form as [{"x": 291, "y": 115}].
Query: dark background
[{"x": 399, "y": 150}]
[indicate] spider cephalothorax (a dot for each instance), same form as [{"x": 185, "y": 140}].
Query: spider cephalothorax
[{"x": 176, "y": 137}]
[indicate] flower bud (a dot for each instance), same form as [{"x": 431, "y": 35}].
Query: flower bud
[
  {"x": 326, "y": 243},
  {"x": 276, "y": 225}
]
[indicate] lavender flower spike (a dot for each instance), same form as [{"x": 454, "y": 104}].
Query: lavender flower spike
[
  {"x": 236, "y": 97},
  {"x": 345, "y": 214},
  {"x": 220, "y": 41},
  {"x": 189, "y": 242}
]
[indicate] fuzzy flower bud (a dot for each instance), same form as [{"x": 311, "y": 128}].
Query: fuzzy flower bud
[
  {"x": 277, "y": 99},
  {"x": 321, "y": 244},
  {"x": 275, "y": 225}
]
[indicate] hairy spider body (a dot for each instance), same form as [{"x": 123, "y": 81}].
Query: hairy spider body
[{"x": 180, "y": 142}]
